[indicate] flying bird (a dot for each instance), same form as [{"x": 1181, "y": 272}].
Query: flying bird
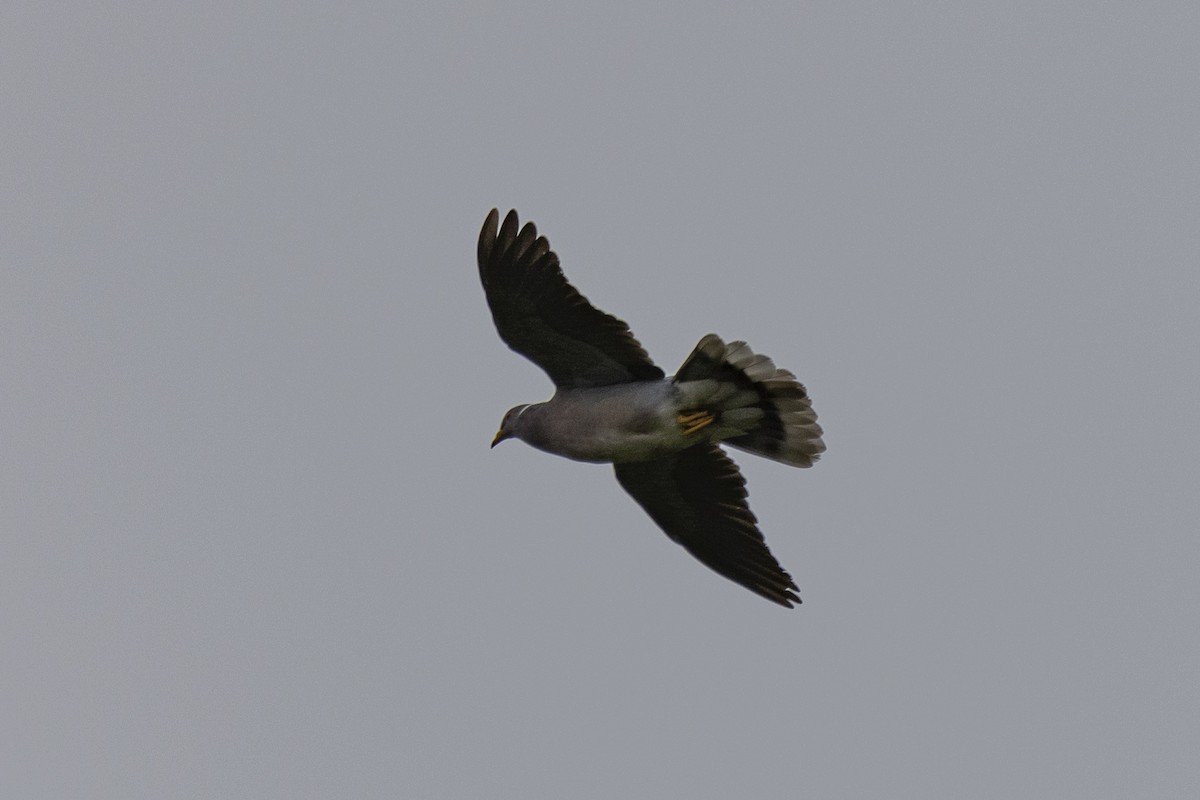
[{"x": 662, "y": 435}]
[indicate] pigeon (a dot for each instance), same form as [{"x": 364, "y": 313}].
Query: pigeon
[{"x": 662, "y": 435}]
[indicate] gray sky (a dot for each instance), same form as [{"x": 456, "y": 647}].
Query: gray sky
[{"x": 254, "y": 544}]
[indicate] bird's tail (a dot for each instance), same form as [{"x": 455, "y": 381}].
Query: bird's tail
[{"x": 756, "y": 406}]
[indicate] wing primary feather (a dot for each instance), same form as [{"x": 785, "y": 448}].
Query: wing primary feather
[
  {"x": 698, "y": 497},
  {"x": 544, "y": 318}
]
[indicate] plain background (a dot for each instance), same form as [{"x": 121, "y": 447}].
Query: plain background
[{"x": 254, "y": 544}]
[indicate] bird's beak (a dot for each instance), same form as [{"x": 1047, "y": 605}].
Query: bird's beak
[{"x": 500, "y": 437}]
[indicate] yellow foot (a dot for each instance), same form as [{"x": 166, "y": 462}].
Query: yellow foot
[{"x": 693, "y": 421}]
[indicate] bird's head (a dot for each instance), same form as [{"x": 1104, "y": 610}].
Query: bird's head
[{"x": 508, "y": 425}]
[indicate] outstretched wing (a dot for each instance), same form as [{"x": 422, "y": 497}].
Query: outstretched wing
[
  {"x": 698, "y": 497},
  {"x": 545, "y": 319}
]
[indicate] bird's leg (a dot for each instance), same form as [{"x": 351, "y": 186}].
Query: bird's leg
[{"x": 692, "y": 421}]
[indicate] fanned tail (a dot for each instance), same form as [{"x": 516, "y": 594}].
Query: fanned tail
[{"x": 763, "y": 409}]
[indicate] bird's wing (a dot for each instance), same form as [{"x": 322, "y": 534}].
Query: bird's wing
[
  {"x": 545, "y": 319},
  {"x": 698, "y": 497}
]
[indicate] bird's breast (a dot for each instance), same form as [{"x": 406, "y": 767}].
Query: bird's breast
[{"x": 630, "y": 422}]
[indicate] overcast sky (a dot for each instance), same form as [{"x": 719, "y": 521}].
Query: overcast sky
[{"x": 253, "y": 543}]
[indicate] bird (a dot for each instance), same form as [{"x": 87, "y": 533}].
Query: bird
[{"x": 663, "y": 435}]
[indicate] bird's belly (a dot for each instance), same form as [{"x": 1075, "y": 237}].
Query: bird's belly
[
  {"x": 602, "y": 450},
  {"x": 636, "y": 438}
]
